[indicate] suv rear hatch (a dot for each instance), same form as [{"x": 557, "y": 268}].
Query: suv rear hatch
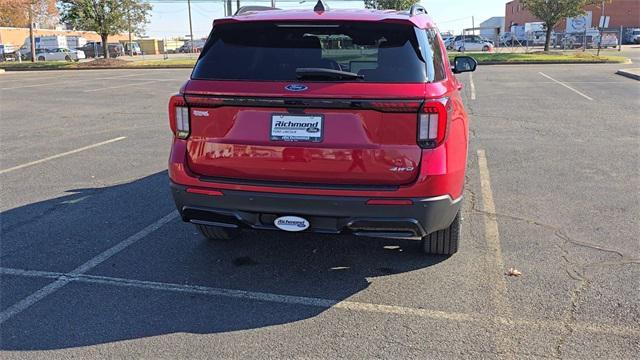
[{"x": 307, "y": 103}]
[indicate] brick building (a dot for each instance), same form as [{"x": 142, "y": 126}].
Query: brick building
[
  {"x": 624, "y": 13},
  {"x": 18, "y": 36}
]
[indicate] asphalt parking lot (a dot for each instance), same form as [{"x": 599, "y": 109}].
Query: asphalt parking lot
[{"x": 94, "y": 261}]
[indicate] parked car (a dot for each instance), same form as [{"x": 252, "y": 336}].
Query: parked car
[
  {"x": 132, "y": 48},
  {"x": 507, "y": 39},
  {"x": 94, "y": 49},
  {"x": 608, "y": 40},
  {"x": 632, "y": 36},
  {"x": 472, "y": 43},
  {"x": 25, "y": 53},
  {"x": 448, "y": 42},
  {"x": 7, "y": 52},
  {"x": 589, "y": 39},
  {"x": 281, "y": 128},
  {"x": 197, "y": 46},
  {"x": 59, "y": 54}
]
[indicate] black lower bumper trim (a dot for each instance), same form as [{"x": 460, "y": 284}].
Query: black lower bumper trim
[{"x": 326, "y": 214}]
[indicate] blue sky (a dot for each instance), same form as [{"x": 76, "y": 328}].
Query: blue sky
[{"x": 171, "y": 19}]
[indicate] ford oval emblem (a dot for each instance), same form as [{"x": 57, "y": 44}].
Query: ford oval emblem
[{"x": 296, "y": 87}]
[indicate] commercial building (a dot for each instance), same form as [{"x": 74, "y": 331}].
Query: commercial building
[
  {"x": 625, "y": 13},
  {"x": 18, "y": 36},
  {"x": 492, "y": 28}
]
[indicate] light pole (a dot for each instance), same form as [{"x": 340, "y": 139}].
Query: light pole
[
  {"x": 602, "y": 23},
  {"x": 190, "y": 26},
  {"x": 31, "y": 37}
]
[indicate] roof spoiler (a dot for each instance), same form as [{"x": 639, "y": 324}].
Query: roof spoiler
[{"x": 253, "y": 8}]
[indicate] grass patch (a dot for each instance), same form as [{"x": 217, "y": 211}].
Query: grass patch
[
  {"x": 182, "y": 62},
  {"x": 536, "y": 57},
  {"x": 8, "y": 65},
  {"x": 100, "y": 63},
  {"x": 483, "y": 58}
]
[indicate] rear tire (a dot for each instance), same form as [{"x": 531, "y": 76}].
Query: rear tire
[
  {"x": 486, "y": 48},
  {"x": 40, "y": 58},
  {"x": 67, "y": 58},
  {"x": 443, "y": 242},
  {"x": 217, "y": 233}
]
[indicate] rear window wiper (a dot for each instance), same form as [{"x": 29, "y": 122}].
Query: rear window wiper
[{"x": 322, "y": 73}]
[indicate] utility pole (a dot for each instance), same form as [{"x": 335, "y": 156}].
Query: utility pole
[
  {"x": 473, "y": 25},
  {"x": 190, "y": 26},
  {"x": 31, "y": 37},
  {"x": 129, "y": 25},
  {"x": 273, "y": 3},
  {"x": 237, "y": 5},
  {"x": 603, "y": 20},
  {"x": 229, "y": 8}
]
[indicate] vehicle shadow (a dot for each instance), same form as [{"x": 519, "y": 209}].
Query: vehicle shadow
[{"x": 60, "y": 234}]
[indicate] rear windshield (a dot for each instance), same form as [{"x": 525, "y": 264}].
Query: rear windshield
[{"x": 266, "y": 51}]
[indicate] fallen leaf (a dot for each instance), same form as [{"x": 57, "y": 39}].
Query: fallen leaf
[{"x": 513, "y": 272}]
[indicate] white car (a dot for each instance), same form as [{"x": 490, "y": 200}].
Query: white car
[
  {"x": 472, "y": 43},
  {"x": 60, "y": 54}
]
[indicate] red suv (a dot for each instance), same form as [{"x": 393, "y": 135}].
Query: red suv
[{"x": 325, "y": 121}]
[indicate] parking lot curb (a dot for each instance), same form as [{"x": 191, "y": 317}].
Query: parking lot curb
[{"x": 630, "y": 73}]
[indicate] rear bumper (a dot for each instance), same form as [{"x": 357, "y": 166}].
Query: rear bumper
[{"x": 326, "y": 214}]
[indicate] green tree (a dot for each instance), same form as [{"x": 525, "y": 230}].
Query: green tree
[
  {"x": 551, "y": 12},
  {"x": 106, "y": 17},
  {"x": 389, "y": 4}
]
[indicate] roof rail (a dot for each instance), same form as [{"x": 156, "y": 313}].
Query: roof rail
[
  {"x": 252, "y": 8},
  {"x": 417, "y": 9}
]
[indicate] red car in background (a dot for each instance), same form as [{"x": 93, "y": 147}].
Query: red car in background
[{"x": 326, "y": 121}]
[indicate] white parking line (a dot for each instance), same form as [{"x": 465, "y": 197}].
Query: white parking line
[
  {"x": 121, "y": 86},
  {"x": 472, "y": 86},
  {"x": 61, "y": 155},
  {"x": 567, "y": 86},
  {"x": 67, "y": 278},
  {"x": 68, "y": 80},
  {"x": 316, "y": 302},
  {"x": 499, "y": 295},
  {"x": 29, "y": 86}
]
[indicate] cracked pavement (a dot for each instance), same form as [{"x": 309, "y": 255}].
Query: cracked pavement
[{"x": 564, "y": 178}]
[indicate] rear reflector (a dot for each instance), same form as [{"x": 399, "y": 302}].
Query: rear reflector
[
  {"x": 389, "y": 202},
  {"x": 204, "y": 192}
]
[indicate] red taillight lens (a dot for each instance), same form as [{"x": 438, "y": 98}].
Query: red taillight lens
[
  {"x": 203, "y": 101},
  {"x": 432, "y": 123},
  {"x": 179, "y": 117},
  {"x": 394, "y": 105}
]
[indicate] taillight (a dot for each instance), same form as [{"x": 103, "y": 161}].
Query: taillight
[
  {"x": 179, "y": 117},
  {"x": 432, "y": 123}
]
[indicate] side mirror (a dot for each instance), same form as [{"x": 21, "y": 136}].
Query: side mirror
[{"x": 464, "y": 64}]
